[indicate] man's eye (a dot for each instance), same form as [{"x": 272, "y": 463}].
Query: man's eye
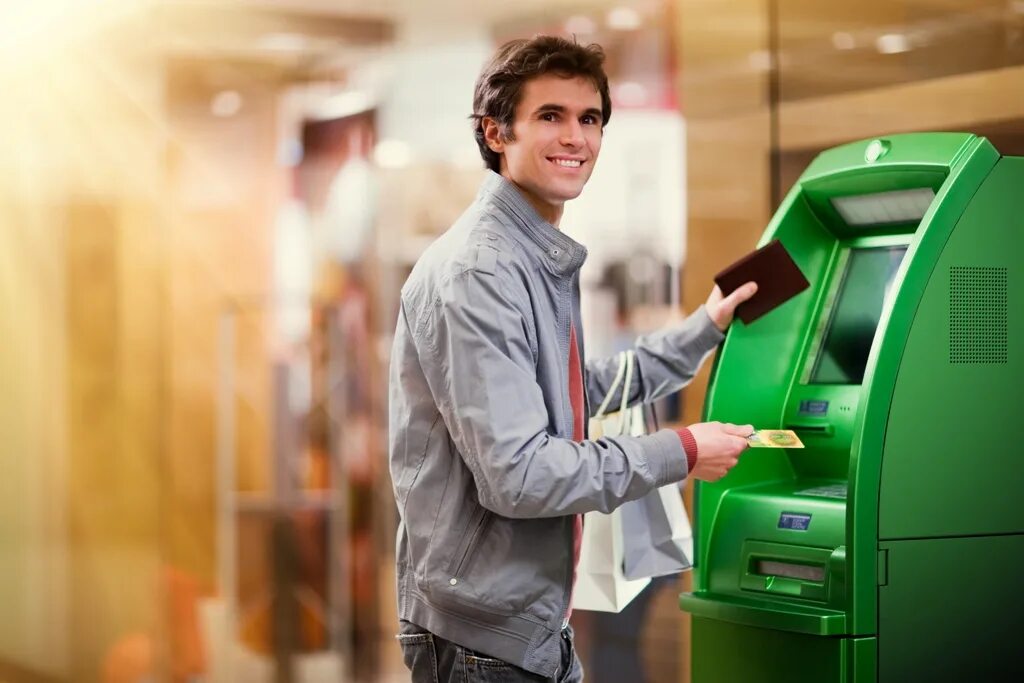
[{"x": 549, "y": 116}]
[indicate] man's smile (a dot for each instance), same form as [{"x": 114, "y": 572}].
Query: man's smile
[{"x": 567, "y": 161}]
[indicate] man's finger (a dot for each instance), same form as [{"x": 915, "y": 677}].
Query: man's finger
[
  {"x": 741, "y": 294},
  {"x": 738, "y": 430}
]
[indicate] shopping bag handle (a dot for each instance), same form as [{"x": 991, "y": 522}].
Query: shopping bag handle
[
  {"x": 615, "y": 384},
  {"x": 627, "y": 361},
  {"x": 630, "y": 360}
]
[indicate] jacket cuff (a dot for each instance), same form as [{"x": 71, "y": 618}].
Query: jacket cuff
[
  {"x": 689, "y": 445},
  {"x": 667, "y": 460}
]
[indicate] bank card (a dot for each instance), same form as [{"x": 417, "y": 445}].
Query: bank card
[{"x": 774, "y": 438}]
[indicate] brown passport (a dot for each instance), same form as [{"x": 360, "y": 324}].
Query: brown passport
[{"x": 778, "y": 280}]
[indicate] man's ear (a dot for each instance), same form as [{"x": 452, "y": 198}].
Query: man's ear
[{"x": 492, "y": 135}]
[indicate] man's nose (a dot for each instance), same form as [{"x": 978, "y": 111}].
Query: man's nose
[{"x": 572, "y": 134}]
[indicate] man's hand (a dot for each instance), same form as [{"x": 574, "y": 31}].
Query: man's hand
[
  {"x": 718, "y": 448},
  {"x": 721, "y": 310}
]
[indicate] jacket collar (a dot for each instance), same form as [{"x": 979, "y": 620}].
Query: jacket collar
[{"x": 560, "y": 252}]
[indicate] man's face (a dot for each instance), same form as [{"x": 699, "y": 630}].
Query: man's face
[{"x": 556, "y": 138}]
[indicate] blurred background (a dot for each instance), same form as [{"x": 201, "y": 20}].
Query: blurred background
[{"x": 207, "y": 209}]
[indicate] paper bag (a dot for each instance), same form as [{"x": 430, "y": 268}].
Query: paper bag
[{"x": 601, "y": 584}]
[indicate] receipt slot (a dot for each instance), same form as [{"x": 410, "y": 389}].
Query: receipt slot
[{"x": 891, "y": 547}]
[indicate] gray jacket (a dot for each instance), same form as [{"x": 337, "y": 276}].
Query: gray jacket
[{"x": 485, "y": 472}]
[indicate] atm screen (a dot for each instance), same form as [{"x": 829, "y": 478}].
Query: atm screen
[{"x": 855, "y": 314}]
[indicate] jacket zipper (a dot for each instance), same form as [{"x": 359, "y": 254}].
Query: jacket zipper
[{"x": 568, "y": 585}]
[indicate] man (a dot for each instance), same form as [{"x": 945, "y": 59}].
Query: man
[{"x": 489, "y": 459}]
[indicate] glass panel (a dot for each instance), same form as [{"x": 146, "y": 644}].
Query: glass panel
[
  {"x": 884, "y": 208},
  {"x": 855, "y": 316}
]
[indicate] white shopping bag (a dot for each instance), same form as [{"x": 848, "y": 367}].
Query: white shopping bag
[{"x": 601, "y": 584}]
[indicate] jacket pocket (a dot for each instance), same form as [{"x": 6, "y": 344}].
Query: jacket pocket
[{"x": 464, "y": 554}]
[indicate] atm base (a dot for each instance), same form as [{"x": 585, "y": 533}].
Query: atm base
[
  {"x": 725, "y": 652},
  {"x": 951, "y": 610}
]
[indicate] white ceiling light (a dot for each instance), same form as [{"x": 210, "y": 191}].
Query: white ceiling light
[
  {"x": 226, "y": 104},
  {"x": 392, "y": 154},
  {"x": 892, "y": 43},
  {"x": 624, "y": 19},
  {"x": 841, "y": 40}
]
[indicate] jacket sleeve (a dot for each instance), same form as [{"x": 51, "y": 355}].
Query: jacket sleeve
[
  {"x": 666, "y": 361},
  {"x": 478, "y": 362}
]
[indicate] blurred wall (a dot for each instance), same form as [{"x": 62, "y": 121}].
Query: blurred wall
[
  {"x": 127, "y": 225},
  {"x": 224, "y": 188},
  {"x": 33, "y": 402},
  {"x": 80, "y": 319}
]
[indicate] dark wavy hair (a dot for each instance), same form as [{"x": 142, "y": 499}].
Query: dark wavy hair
[{"x": 500, "y": 85}]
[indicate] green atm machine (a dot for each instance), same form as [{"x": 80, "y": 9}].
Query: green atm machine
[{"x": 891, "y": 548}]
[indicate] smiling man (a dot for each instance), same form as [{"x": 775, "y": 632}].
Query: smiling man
[
  {"x": 489, "y": 393},
  {"x": 554, "y": 140}
]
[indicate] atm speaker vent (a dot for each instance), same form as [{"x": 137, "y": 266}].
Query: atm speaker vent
[{"x": 977, "y": 315}]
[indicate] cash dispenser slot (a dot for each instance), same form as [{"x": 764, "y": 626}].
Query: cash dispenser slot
[
  {"x": 790, "y": 570},
  {"x": 795, "y": 571}
]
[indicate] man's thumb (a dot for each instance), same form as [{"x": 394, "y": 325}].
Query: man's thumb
[
  {"x": 738, "y": 430},
  {"x": 740, "y": 295}
]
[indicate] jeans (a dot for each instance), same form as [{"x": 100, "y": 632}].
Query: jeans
[{"x": 432, "y": 659}]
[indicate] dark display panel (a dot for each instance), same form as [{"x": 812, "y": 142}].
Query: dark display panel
[{"x": 858, "y": 306}]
